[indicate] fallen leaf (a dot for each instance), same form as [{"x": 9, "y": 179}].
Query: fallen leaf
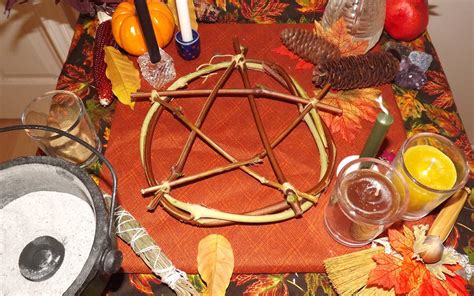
[
  {"x": 356, "y": 105},
  {"x": 339, "y": 36},
  {"x": 215, "y": 263},
  {"x": 392, "y": 272},
  {"x": 268, "y": 285},
  {"x": 402, "y": 242},
  {"x": 123, "y": 75}
]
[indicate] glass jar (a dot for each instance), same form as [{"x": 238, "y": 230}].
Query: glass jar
[{"x": 364, "y": 18}]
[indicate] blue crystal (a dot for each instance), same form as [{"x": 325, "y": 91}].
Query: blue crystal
[{"x": 420, "y": 59}]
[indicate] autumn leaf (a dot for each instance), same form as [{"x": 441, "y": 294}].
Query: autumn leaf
[
  {"x": 356, "y": 105},
  {"x": 455, "y": 284},
  {"x": 318, "y": 281},
  {"x": 300, "y": 65},
  {"x": 402, "y": 242},
  {"x": 123, "y": 75},
  {"x": 449, "y": 122},
  {"x": 75, "y": 79},
  {"x": 142, "y": 282},
  {"x": 463, "y": 143},
  {"x": 311, "y": 6},
  {"x": 392, "y": 272},
  {"x": 215, "y": 263},
  {"x": 437, "y": 86},
  {"x": 262, "y": 11},
  {"x": 339, "y": 36},
  {"x": 408, "y": 104}
]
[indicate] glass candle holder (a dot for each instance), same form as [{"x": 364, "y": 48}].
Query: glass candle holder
[
  {"x": 369, "y": 196},
  {"x": 433, "y": 168},
  {"x": 65, "y": 111}
]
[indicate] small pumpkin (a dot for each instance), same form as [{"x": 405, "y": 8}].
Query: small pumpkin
[{"x": 127, "y": 31}]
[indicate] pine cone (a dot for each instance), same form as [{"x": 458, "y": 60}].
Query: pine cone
[
  {"x": 371, "y": 69},
  {"x": 308, "y": 45}
]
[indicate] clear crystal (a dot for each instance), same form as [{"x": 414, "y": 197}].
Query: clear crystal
[
  {"x": 421, "y": 59},
  {"x": 159, "y": 74}
]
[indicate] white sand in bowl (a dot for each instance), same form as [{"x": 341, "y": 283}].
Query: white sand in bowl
[{"x": 63, "y": 216}]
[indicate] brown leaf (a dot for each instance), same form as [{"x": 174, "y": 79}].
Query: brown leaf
[
  {"x": 215, "y": 263},
  {"x": 449, "y": 122}
]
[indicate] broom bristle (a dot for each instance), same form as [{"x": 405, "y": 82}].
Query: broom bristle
[{"x": 349, "y": 273}]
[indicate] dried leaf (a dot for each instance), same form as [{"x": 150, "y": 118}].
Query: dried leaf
[
  {"x": 339, "y": 36},
  {"x": 356, "y": 105},
  {"x": 192, "y": 13},
  {"x": 123, "y": 75},
  {"x": 402, "y": 242},
  {"x": 215, "y": 263},
  {"x": 392, "y": 272}
]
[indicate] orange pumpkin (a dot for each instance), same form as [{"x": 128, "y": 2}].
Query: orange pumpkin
[{"x": 127, "y": 31}]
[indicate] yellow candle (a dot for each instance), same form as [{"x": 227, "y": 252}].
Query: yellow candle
[{"x": 430, "y": 167}]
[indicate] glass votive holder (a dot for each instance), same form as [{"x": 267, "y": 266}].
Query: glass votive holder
[
  {"x": 433, "y": 168},
  {"x": 65, "y": 111},
  {"x": 188, "y": 50},
  {"x": 369, "y": 195}
]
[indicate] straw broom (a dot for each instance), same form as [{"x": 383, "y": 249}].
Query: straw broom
[
  {"x": 133, "y": 233},
  {"x": 349, "y": 273}
]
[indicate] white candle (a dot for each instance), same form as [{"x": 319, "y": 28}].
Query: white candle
[{"x": 184, "y": 20}]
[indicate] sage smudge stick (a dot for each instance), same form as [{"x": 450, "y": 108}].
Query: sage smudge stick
[{"x": 133, "y": 233}]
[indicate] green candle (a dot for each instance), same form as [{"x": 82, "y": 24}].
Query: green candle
[{"x": 377, "y": 135}]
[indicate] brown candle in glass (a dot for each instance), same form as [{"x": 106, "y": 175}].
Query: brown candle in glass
[{"x": 369, "y": 195}]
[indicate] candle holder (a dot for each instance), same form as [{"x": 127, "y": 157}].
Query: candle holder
[
  {"x": 188, "y": 50},
  {"x": 369, "y": 196},
  {"x": 434, "y": 169}
]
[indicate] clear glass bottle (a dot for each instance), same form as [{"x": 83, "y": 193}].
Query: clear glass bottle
[{"x": 364, "y": 18}]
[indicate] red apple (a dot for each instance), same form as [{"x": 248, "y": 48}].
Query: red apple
[{"x": 406, "y": 19}]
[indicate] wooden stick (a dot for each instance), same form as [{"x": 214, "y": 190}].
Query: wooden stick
[
  {"x": 257, "y": 92},
  {"x": 206, "y": 174},
  {"x": 178, "y": 168},
  {"x": 176, "y": 112}
]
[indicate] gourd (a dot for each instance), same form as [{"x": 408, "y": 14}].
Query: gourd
[{"x": 127, "y": 31}]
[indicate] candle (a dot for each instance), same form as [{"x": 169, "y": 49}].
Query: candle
[
  {"x": 430, "y": 167},
  {"x": 184, "y": 20},
  {"x": 147, "y": 28},
  {"x": 433, "y": 168},
  {"x": 366, "y": 199},
  {"x": 377, "y": 135}
]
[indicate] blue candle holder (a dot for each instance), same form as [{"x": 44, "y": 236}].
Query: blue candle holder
[{"x": 188, "y": 50}]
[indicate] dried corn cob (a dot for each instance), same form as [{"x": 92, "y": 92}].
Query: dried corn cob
[{"x": 103, "y": 38}]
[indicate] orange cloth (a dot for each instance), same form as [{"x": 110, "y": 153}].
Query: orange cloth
[{"x": 297, "y": 245}]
